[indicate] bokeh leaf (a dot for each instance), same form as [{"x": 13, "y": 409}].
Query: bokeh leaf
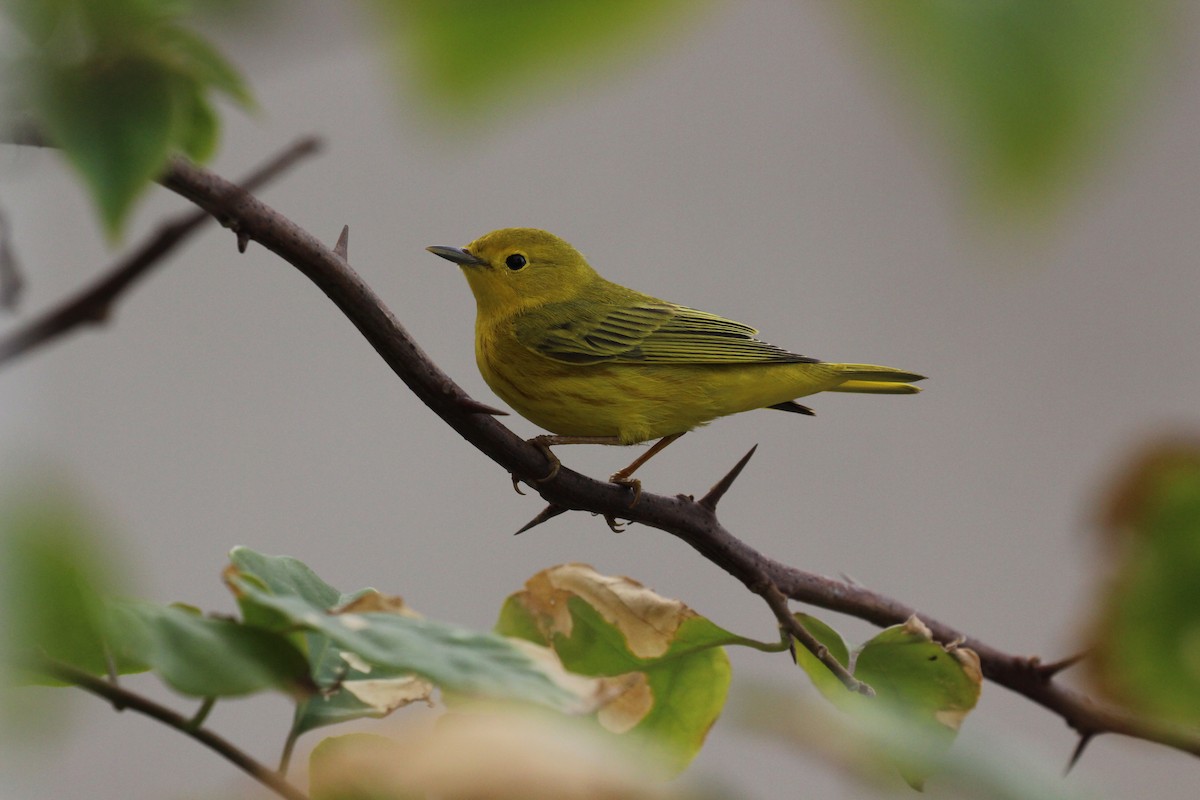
[
  {"x": 498, "y": 756},
  {"x": 114, "y": 122},
  {"x": 54, "y": 578},
  {"x": 1146, "y": 638},
  {"x": 670, "y": 659},
  {"x": 1023, "y": 91},
  {"x": 194, "y": 57},
  {"x": 469, "y": 56},
  {"x": 866, "y": 747},
  {"x": 119, "y": 85}
]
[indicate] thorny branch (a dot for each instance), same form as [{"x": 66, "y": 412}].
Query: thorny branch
[
  {"x": 94, "y": 304},
  {"x": 694, "y": 522}
]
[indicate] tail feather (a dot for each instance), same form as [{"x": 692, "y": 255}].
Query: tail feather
[{"x": 870, "y": 379}]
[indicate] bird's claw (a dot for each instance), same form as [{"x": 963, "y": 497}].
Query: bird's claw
[
  {"x": 555, "y": 465},
  {"x": 632, "y": 484},
  {"x": 613, "y": 525}
]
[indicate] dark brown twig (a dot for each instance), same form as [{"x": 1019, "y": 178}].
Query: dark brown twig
[
  {"x": 680, "y": 516},
  {"x": 94, "y": 304},
  {"x": 793, "y": 627},
  {"x": 123, "y": 698}
]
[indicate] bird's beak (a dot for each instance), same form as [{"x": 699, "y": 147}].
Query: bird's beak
[{"x": 457, "y": 255}]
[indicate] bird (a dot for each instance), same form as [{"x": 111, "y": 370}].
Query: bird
[{"x": 594, "y": 362}]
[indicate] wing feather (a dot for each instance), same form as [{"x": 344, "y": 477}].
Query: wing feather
[{"x": 643, "y": 333}]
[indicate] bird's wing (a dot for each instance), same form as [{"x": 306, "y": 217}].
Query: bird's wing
[{"x": 642, "y": 333}]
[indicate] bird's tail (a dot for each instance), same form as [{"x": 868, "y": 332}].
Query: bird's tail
[{"x": 870, "y": 379}]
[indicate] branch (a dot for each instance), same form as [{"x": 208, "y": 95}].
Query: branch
[
  {"x": 94, "y": 304},
  {"x": 123, "y": 698},
  {"x": 683, "y": 517}
]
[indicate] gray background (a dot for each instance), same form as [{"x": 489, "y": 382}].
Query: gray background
[{"x": 759, "y": 165}]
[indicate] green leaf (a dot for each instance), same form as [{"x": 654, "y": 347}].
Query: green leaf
[
  {"x": 468, "y": 55},
  {"x": 456, "y": 659},
  {"x": 114, "y": 122},
  {"x": 1023, "y": 90},
  {"x": 930, "y": 688},
  {"x": 1146, "y": 640},
  {"x": 922, "y": 688},
  {"x": 348, "y": 692},
  {"x": 826, "y": 682},
  {"x": 353, "y": 693},
  {"x": 55, "y": 576},
  {"x": 285, "y": 575},
  {"x": 207, "y": 657},
  {"x": 360, "y": 696},
  {"x": 673, "y": 671}
]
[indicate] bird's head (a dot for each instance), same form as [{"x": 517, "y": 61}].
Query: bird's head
[{"x": 515, "y": 268}]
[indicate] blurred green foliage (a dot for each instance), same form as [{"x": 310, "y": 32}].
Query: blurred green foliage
[
  {"x": 473, "y": 58},
  {"x": 1023, "y": 92},
  {"x": 55, "y": 575},
  {"x": 118, "y": 85},
  {"x": 1146, "y": 636}
]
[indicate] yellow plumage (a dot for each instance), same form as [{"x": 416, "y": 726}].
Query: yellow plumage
[{"x": 589, "y": 359}]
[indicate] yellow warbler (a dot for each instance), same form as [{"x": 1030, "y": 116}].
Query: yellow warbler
[{"x": 597, "y": 363}]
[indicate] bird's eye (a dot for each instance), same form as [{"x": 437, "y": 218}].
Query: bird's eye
[{"x": 515, "y": 262}]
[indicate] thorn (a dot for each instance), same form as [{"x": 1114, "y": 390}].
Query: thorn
[
  {"x": 473, "y": 406},
  {"x": 549, "y": 512},
  {"x": 1084, "y": 740},
  {"x": 343, "y": 244},
  {"x": 718, "y": 491},
  {"x": 243, "y": 240},
  {"x": 1048, "y": 671}
]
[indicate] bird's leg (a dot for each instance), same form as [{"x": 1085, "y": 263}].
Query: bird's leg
[
  {"x": 625, "y": 476},
  {"x": 546, "y": 441}
]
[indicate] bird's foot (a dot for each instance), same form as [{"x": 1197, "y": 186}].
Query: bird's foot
[
  {"x": 633, "y": 484},
  {"x": 613, "y": 525},
  {"x": 541, "y": 443}
]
